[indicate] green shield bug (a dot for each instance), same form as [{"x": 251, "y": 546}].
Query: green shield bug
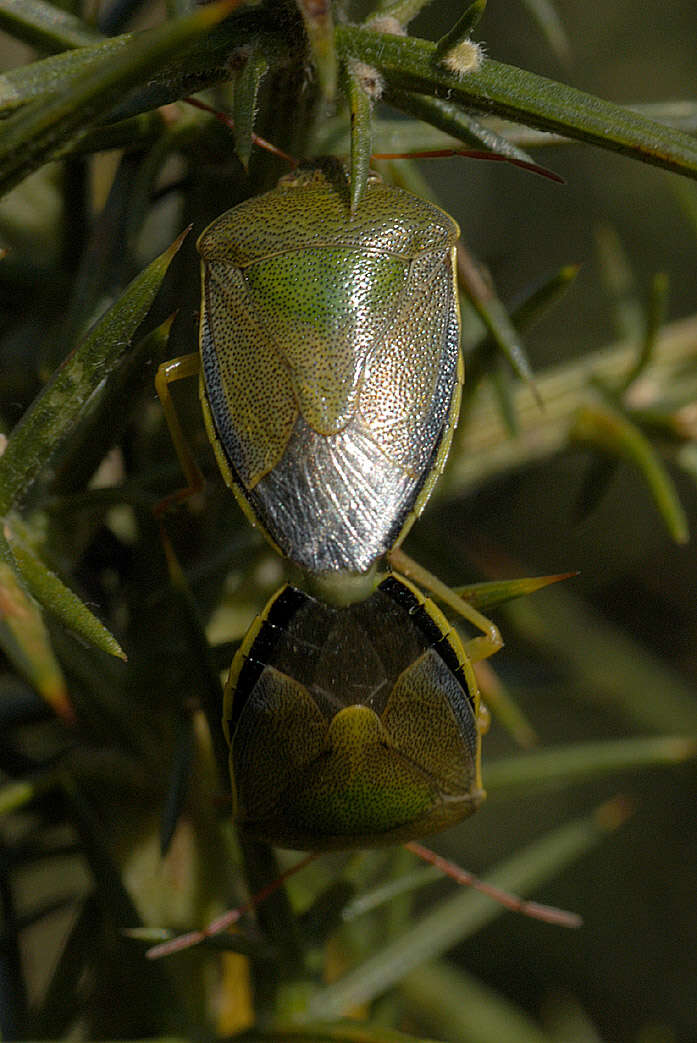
[
  {"x": 330, "y": 376},
  {"x": 352, "y": 726},
  {"x": 330, "y": 369}
]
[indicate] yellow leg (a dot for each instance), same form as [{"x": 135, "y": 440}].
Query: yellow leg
[
  {"x": 477, "y": 647},
  {"x": 178, "y": 369}
]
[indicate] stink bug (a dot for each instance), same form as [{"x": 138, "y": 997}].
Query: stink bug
[
  {"x": 330, "y": 377},
  {"x": 353, "y": 726},
  {"x": 330, "y": 369}
]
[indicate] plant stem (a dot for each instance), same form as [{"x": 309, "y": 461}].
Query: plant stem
[{"x": 483, "y": 449}]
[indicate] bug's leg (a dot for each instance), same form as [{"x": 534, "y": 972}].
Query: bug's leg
[
  {"x": 477, "y": 647},
  {"x": 547, "y": 913},
  {"x": 168, "y": 372}
]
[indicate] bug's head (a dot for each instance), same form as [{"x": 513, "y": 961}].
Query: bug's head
[{"x": 326, "y": 170}]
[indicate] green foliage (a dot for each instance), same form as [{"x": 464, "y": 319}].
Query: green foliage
[{"x": 113, "y": 796}]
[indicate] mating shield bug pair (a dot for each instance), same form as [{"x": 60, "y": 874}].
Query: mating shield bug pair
[{"x": 330, "y": 377}]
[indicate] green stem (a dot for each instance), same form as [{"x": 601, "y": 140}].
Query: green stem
[{"x": 482, "y": 449}]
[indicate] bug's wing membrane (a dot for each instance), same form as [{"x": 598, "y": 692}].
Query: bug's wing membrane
[
  {"x": 332, "y": 498},
  {"x": 410, "y": 381},
  {"x": 340, "y": 675},
  {"x": 249, "y": 390}
]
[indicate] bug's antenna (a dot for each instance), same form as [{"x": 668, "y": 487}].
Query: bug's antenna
[
  {"x": 494, "y": 157},
  {"x": 228, "y": 122},
  {"x": 227, "y": 919},
  {"x": 547, "y": 913}
]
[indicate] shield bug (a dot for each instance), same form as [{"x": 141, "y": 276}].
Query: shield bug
[
  {"x": 352, "y": 726},
  {"x": 329, "y": 361}
]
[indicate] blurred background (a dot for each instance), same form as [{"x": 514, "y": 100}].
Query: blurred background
[
  {"x": 634, "y": 969},
  {"x": 630, "y": 975}
]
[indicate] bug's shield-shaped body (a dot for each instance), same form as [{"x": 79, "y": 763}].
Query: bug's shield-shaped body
[
  {"x": 330, "y": 362},
  {"x": 353, "y": 726}
]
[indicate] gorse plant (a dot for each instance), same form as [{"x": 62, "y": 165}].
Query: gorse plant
[{"x": 117, "y": 625}]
